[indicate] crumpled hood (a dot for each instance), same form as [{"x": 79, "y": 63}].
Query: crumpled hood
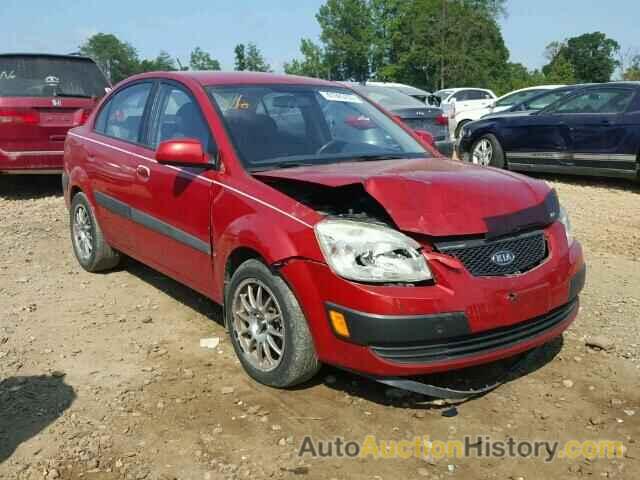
[{"x": 436, "y": 197}]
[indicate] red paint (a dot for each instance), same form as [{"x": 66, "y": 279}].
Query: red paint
[
  {"x": 186, "y": 151},
  {"x": 229, "y": 209}
]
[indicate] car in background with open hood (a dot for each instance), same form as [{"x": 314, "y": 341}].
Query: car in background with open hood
[{"x": 42, "y": 96}]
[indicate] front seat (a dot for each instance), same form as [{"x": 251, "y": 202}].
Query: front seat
[{"x": 190, "y": 124}]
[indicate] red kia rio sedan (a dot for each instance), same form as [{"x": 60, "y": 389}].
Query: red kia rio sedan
[
  {"x": 42, "y": 96},
  {"x": 329, "y": 231}
]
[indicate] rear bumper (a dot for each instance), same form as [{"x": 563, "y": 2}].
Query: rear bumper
[
  {"x": 445, "y": 147},
  {"x": 36, "y": 161},
  {"x": 458, "y": 322}
]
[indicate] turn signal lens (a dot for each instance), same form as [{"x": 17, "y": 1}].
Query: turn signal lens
[{"x": 339, "y": 323}]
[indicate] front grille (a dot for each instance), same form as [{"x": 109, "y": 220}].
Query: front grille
[
  {"x": 488, "y": 257},
  {"x": 478, "y": 343}
]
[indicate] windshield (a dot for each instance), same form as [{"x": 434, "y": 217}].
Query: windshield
[
  {"x": 544, "y": 100},
  {"x": 290, "y": 125},
  {"x": 517, "y": 97},
  {"x": 389, "y": 98},
  {"x": 43, "y": 76},
  {"x": 443, "y": 94}
]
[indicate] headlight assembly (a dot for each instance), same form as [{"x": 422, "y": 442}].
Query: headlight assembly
[
  {"x": 370, "y": 253},
  {"x": 563, "y": 218}
]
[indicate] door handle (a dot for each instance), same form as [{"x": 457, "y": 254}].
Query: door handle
[{"x": 143, "y": 172}]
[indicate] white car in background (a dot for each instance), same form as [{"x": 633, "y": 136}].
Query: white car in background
[
  {"x": 453, "y": 101},
  {"x": 460, "y": 115}
]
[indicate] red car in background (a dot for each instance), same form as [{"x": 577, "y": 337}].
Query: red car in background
[
  {"x": 329, "y": 234},
  {"x": 42, "y": 96}
]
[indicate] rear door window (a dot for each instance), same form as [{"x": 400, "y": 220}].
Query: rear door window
[
  {"x": 606, "y": 100},
  {"x": 50, "y": 76},
  {"x": 121, "y": 117}
]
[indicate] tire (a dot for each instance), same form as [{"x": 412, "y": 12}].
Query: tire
[
  {"x": 298, "y": 361},
  {"x": 459, "y": 127},
  {"x": 496, "y": 158},
  {"x": 91, "y": 249}
]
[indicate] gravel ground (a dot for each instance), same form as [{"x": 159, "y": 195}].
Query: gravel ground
[{"x": 102, "y": 376}]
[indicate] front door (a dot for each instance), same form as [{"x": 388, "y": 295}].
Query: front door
[{"x": 176, "y": 208}]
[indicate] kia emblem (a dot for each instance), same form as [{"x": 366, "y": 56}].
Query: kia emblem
[
  {"x": 56, "y": 102},
  {"x": 503, "y": 258}
]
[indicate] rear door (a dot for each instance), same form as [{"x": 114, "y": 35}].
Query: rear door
[
  {"x": 175, "y": 202},
  {"x": 599, "y": 128},
  {"x": 114, "y": 151},
  {"x": 469, "y": 99},
  {"x": 41, "y": 98}
]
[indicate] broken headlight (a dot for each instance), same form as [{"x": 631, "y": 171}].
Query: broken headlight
[{"x": 371, "y": 253}]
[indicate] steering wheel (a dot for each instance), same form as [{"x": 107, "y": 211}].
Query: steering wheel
[{"x": 332, "y": 146}]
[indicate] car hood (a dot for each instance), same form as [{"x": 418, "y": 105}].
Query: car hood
[{"x": 437, "y": 197}]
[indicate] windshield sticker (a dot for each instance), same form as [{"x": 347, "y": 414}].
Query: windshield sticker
[
  {"x": 7, "y": 75},
  {"x": 340, "y": 97}
]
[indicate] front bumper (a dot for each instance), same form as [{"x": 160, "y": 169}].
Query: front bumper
[{"x": 458, "y": 322}]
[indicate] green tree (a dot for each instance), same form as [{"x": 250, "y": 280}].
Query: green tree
[
  {"x": 250, "y": 58},
  {"x": 117, "y": 59},
  {"x": 347, "y": 33},
  {"x": 633, "y": 72},
  {"x": 591, "y": 55},
  {"x": 164, "y": 62},
  {"x": 201, "y": 60},
  {"x": 313, "y": 62},
  {"x": 560, "y": 71},
  {"x": 241, "y": 57}
]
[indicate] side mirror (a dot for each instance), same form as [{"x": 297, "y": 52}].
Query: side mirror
[
  {"x": 425, "y": 137},
  {"x": 183, "y": 151}
]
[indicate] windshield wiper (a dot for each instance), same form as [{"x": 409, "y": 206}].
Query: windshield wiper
[{"x": 379, "y": 157}]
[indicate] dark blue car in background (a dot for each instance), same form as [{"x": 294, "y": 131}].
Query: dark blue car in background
[{"x": 593, "y": 130}]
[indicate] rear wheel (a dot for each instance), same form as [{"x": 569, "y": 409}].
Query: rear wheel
[
  {"x": 487, "y": 152},
  {"x": 268, "y": 330},
  {"x": 92, "y": 251}
]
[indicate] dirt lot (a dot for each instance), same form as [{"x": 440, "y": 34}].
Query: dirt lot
[{"x": 102, "y": 376}]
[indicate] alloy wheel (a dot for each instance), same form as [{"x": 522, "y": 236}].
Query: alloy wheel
[
  {"x": 482, "y": 153},
  {"x": 258, "y": 325},
  {"x": 82, "y": 232}
]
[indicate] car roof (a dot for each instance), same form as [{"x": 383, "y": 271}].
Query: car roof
[
  {"x": 206, "y": 78},
  {"x": 400, "y": 86},
  {"x": 457, "y": 89}
]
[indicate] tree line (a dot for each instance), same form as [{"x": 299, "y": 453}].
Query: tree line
[
  {"x": 426, "y": 43},
  {"x": 119, "y": 59},
  {"x": 443, "y": 43}
]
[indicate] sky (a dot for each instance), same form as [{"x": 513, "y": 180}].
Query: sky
[{"x": 60, "y": 26}]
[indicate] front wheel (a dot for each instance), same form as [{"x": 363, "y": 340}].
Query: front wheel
[
  {"x": 268, "y": 330},
  {"x": 487, "y": 152}
]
